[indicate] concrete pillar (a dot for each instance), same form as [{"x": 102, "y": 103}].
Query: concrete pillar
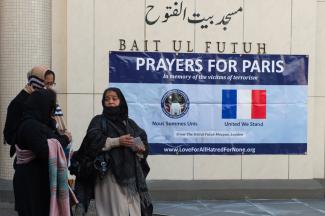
[{"x": 25, "y": 41}]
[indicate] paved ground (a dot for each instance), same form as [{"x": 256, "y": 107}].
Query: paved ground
[
  {"x": 263, "y": 207},
  {"x": 243, "y": 207}
]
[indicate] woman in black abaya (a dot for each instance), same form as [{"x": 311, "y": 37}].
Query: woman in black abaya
[
  {"x": 31, "y": 178},
  {"x": 120, "y": 188}
]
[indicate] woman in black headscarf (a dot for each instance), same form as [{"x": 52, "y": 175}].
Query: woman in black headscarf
[
  {"x": 31, "y": 178},
  {"x": 117, "y": 147}
]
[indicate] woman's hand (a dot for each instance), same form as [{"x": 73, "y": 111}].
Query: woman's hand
[{"x": 126, "y": 140}]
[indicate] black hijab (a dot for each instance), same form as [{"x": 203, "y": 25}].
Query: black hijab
[
  {"x": 117, "y": 114},
  {"x": 40, "y": 105}
]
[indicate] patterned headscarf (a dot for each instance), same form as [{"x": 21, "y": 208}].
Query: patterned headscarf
[{"x": 36, "y": 76}]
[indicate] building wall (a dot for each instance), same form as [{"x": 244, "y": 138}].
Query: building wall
[
  {"x": 83, "y": 33},
  {"x": 59, "y": 50},
  {"x": 286, "y": 26},
  {"x": 318, "y": 98}
]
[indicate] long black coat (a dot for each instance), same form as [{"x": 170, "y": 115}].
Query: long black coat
[
  {"x": 98, "y": 131},
  {"x": 31, "y": 181}
]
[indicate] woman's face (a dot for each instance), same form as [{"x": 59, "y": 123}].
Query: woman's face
[
  {"x": 111, "y": 99},
  {"x": 49, "y": 81}
]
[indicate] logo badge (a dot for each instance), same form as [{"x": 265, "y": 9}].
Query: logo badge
[{"x": 175, "y": 103}]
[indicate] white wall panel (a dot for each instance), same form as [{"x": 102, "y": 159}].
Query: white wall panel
[
  {"x": 268, "y": 21},
  {"x": 80, "y": 46},
  {"x": 317, "y": 108},
  {"x": 170, "y": 167},
  {"x": 302, "y": 42},
  {"x": 316, "y": 135},
  {"x": 59, "y": 44},
  {"x": 301, "y": 167},
  {"x": 114, "y": 20},
  {"x": 265, "y": 167},
  {"x": 98, "y": 107},
  {"x": 80, "y": 112},
  {"x": 319, "y": 88},
  {"x": 303, "y": 27},
  {"x": 211, "y": 167}
]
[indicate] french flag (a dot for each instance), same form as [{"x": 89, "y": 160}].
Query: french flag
[{"x": 243, "y": 104}]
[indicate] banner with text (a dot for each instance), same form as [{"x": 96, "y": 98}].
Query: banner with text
[{"x": 194, "y": 103}]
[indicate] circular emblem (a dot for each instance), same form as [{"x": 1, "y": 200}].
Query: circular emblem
[{"x": 175, "y": 103}]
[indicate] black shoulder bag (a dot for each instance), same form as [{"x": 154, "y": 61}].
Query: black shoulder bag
[{"x": 86, "y": 168}]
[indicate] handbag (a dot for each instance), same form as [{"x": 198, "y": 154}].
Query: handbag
[
  {"x": 102, "y": 164},
  {"x": 86, "y": 169}
]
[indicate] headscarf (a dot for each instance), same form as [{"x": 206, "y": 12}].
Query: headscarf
[
  {"x": 40, "y": 105},
  {"x": 119, "y": 113},
  {"x": 35, "y": 77}
]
